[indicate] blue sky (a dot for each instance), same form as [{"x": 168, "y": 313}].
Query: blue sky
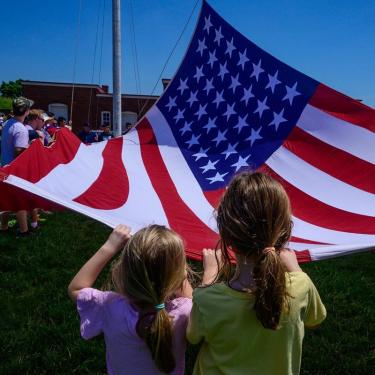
[{"x": 331, "y": 41}]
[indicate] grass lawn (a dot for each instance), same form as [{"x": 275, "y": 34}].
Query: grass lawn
[{"x": 39, "y": 325}]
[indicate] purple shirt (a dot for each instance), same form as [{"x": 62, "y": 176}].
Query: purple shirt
[{"x": 126, "y": 353}]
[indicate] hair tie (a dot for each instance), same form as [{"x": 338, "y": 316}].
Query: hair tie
[
  {"x": 160, "y": 306},
  {"x": 267, "y": 250}
]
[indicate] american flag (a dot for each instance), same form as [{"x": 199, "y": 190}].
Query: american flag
[{"x": 231, "y": 106}]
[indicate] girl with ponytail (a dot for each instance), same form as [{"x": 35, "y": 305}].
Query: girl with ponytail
[
  {"x": 144, "y": 321},
  {"x": 253, "y": 322}
]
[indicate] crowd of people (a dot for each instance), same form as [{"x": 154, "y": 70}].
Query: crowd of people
[{"x": 25, "y": 125}]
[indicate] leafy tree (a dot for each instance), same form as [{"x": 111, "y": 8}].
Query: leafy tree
[{"x": 11, "y": 89}]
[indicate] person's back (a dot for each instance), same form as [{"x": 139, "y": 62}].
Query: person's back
[
  {"x": 235, "y": 342},
  {"x": 14, "y": 135},
  {"x": 117, "y": 318}
]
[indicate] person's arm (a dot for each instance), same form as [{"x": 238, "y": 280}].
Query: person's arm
[
  {"x": 212, "y": 262},
  {"x": 88, "y": 274}
]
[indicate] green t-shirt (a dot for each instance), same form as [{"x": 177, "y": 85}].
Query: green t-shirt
[{"x": 235, "y": 342}]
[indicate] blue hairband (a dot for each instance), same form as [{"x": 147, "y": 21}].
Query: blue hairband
[{"x": 160, "y": 306}]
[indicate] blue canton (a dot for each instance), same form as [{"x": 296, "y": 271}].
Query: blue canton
[{"x": 231, "y": 104}]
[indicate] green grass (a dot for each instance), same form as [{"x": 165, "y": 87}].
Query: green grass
[{"x": 40, "y": 328}]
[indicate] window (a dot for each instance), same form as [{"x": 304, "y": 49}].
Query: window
[
  {"x": 105, "y": 118},
  {"x": 59, "y": 110}
]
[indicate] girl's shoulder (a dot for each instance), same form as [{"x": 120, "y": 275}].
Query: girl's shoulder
[{"x": 90, "y": 297}]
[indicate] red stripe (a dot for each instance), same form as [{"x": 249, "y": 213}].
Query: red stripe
[
  {"x": 343, "y": 107},
  {"x": 181, "y": 218},
  {"x": 38, "y": 161},
  {"x": 303, "y": 256},
  {"x": 329, "y": 159},
  {"x": 318, "y": 213},
  {"x": 111, "y": 188}
]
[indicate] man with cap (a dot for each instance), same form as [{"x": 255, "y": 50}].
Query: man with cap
[
  {"x": 105, "y": 134},
  {"x": 86, "y": 135},
  {"x": 14, "y": 140}
]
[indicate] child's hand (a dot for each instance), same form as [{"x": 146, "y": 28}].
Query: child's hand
[
  {"x": 212, "y": 262},
  {"x": 117, "y": 239},
  {"x": 289, "y": 259}
]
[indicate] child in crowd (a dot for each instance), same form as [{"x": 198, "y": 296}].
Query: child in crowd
[
  {"x": 253, "y": 323},
  {"x": 144, "y": 321}
]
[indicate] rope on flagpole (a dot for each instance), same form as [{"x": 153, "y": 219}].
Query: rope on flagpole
[{"x": 171, "y": 53}]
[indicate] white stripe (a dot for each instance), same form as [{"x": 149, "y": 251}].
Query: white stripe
[
  {"x": 311, "y": 232},
  {"x": 298, "y": 246},
  {"x": 320, "y": 185},
  {"x": 142, "y": 208},
  {"x": 325, "y": 252},
  {"x": 70, "y": 180},
  {"x": 186, "y": 184},
  {"x": 338, "y": 133}
]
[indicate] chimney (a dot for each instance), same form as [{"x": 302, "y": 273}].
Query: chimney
[{"x": 105, "y": 88}]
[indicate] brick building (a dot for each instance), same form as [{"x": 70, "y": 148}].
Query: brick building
[{"x": 91, "y": 103}]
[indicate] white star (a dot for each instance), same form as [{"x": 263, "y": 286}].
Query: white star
[
  {"x": 230, "y": 111},
  {"x": 183, "y": 86},
  {"x": 262, "y": 106},
  {"x": 230, "y": 150},
  {"x": 207, "y": 24},
  {"x": 218, "y": 177},
  {"x": 223, "y": 70},
  {"x": 179, "y": 116},
  {"x": 209, "y": 166},
  {"x": 201, "y": 154},
  {"x": 291, "y": 92},
  {"x": 257, "y": 69},
  {"x": 193, "y": 140},
  {"x": 247, "y": 94},
  {"x": 241, "y": 162},
  {"x": 220, "y": 137},
  {"x": 218, "y": 36},
  {"x": 198, "y": 73},
  {"x": 193, "y": 98},
  {"x": 211, "y": 124},
  {"x": 243, "y": 59},
  {"x": 254, "y": 136},
  {"x": 219, "y": 98},
  {"x": 272, "y": 81},
  {"x": 201, "y": 46},
  {"x": 209, "y": 86},
  {"x": 277, "y": 119},
  {"x": 230, "y": 48},
  {"x": 235, "y": 83},
  {"x": 171, "y": 103},
  {"x": 201, "y": 111},
  {"x": 212, "y": 58},
  {"x": 241, "y": 123},
  {"x": 186, "y": 128}
]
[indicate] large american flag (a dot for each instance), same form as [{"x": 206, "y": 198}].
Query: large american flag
[{"x": 231, "y": 106}]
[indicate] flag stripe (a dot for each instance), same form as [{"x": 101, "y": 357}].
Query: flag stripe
[
  {"x": 111, "y": 188},
  {"x": 321, "y": 185},
  {"x": 332, "y": 160},
  {"x": 343, "y": 107},
  {"x": 338, "y": 133},
  {"x": 326, "y": 252},
  {"x": 180, "y": 217},
  {"x": 183, "y": 179},
  {"x": 316, "y": 233},
  {"x": 314, "y": 211}
]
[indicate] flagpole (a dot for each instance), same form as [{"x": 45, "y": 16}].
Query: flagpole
[{"x": 116, "y": 61}]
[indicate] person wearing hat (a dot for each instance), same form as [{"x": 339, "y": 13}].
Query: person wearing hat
[
  {"x": 86, "y": 135},
  {"x": 105, "y": 134},
  {"x": 14, "y": 140}
]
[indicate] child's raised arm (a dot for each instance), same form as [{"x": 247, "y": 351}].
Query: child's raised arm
[{"x": 87, "y": 275}]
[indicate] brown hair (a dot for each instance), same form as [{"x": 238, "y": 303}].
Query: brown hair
[
  {"x": 151, "y": 268},
  {"x": 254, "y": 214},
  {"x": 33, "y": 115}
]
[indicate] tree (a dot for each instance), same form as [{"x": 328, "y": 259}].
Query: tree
[{"x": 11, "y": 89}]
